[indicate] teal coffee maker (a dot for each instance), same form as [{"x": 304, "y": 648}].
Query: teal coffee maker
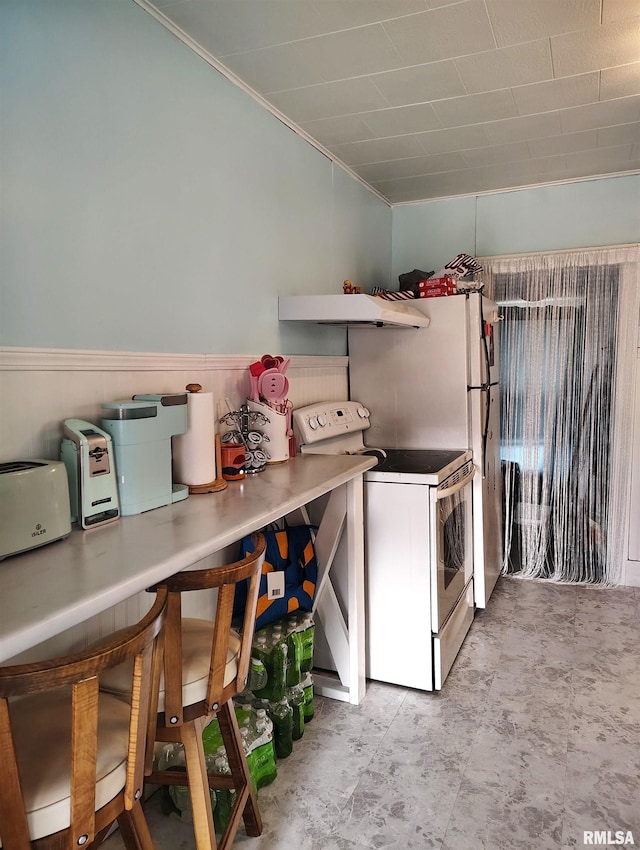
[{"x": 141, "y": 432}]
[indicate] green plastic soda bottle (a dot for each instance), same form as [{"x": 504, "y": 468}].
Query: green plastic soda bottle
[
  {"x": 271, "y": 648},
  {"x": 294, "y": 651},
  {"x": 295, "y": 697},
  {"x": 282, "y": 718},
  {"x": 223, "y": 796},
  {"x": 307, "y": 686},
  {"x": 308, "y": 633}
]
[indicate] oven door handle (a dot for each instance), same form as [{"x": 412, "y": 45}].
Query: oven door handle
[{"x": 449, "y": 491}]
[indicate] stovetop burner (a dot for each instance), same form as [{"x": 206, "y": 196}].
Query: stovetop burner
[{"x": 421, "y": 461}]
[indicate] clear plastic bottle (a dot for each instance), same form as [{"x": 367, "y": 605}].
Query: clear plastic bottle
[
  {"x": 257, "y": 675},
  {"x": 295, "y": 698},
  {"x": 223, "y": 796},
  {"x": 263, "y": 753},
  {"x": 282, "y": 717},
  {"x": 169, "y": 756},
  {"x": 175, "y": 798},
  {"x": 307, "y": 686},
  {"x": 246, "y": 714},
  {"x": 247, "y": 735},
  {"x": 179, "y": 795}
]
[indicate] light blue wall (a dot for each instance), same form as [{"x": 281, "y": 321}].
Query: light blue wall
[
  {"x": 150, "y": 205},
  {"x": 426, "y": 235},
  {"x": 574, "y": 215}
]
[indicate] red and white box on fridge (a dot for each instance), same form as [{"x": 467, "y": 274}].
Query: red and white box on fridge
[{"x": 435, "y": 287}]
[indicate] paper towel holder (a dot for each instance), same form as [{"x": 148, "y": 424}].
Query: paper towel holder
[{"x": 218, "y": 483}]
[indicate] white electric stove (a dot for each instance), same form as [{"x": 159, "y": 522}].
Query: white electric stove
[{"x": 419, "y": 547}]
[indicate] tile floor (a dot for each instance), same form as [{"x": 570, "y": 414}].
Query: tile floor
[{"x": 534, "y": 739}]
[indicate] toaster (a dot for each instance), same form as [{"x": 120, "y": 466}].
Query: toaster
[{"x": 34, "y": 504}]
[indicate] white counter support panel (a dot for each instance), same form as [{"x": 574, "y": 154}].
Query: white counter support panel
[
  {"x": 52, "y": 589},
  {"x": 344, "y": 636}
]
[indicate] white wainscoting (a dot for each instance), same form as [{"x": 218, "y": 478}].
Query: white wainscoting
[{"x": 40, "y": 388}]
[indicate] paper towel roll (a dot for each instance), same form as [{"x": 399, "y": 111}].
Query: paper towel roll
[{"x": 194, "y": 453}]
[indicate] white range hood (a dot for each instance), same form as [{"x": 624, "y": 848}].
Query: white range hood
[{"x": 350, "y": 310}]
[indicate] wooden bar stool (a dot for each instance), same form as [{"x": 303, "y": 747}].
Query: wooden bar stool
[
  {"x": 206, "y": 663},
  {"x": 73, "y": 757}
]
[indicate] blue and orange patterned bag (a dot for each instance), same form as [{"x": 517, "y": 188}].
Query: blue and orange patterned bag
[{"x": 289, "y": 574}]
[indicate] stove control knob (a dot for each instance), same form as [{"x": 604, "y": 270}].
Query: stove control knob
[
  {"x": 313, "y": 423},
  {"x": 322, "y": 420},
  {"x": 363, "y": 413}
]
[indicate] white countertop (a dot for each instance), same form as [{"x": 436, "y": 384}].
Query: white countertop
[{"x": 48, "y": 590}]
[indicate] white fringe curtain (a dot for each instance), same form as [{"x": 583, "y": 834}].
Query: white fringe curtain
[{"x": 567, "y": 359}]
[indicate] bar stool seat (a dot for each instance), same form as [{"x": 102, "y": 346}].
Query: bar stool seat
[{"x": 197, "y": 639}]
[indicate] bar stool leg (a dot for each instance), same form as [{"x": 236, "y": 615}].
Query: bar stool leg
[
  {"x": 134, "y": 827},
  {"x": 246, "y": 800},
  {"x": 198, "y": 786}
]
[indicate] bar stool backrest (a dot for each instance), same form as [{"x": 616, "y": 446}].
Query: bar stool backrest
[
  {"x": 57, "y": 730},
  {"x": 219, "y": 688}
]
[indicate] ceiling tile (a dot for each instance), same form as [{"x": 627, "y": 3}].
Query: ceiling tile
[
  {"x": 378, "y": 150},
  {"x": 351, "y": 53},
  {"x": 395, "y": 197},
  {"x": 614, "y": 10},
  {"x": 506, "y": 67},
  {"x": 454, "y": 139},
  {"x": 616, "y": 43},
  {"x": 272, "y": 68},
  {"x": 417, "y": 165},
  {"x": 338, "y": 15},
  {"x": 496, "y": 154},
  {"x": 522, "y": 178},
  {"x": 476, "y": 108},
  {"x": 525, "y": 128},
  {"x": 336, "y": 131},
  {"x": 557, "y": 94},
  {"x": 420, "y": 83},
  {"x": 595, "y": 115},
  {"x": 567, "y": 143},
  {"x": 223, "y": 27},
  {"x": 614, "y": 157},
  {"x": 403, "y": 119},
  {"x": 470, "y": 180},
  {"x": 620, "y": 82},
  {"x": 442, "y": 33},
  {"x": 577, "y": 171},
  {"x": 437, "y": 4},
  {"x": 517, "y": 21},
  {"x": 621, "y": 135},
  {"x": 544, "y": 168},
  {"x": 330, "y": 100}
]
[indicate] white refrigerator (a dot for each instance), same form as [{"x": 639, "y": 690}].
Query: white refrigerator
[{"x": 437, "y": 387}]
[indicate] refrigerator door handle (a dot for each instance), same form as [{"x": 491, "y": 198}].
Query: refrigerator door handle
[
  {"x": 486, "y": 389},
  {"x": 485, "y": 431}
]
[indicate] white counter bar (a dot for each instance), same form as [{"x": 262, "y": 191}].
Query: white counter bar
[{"x": 51, "y": 589}]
